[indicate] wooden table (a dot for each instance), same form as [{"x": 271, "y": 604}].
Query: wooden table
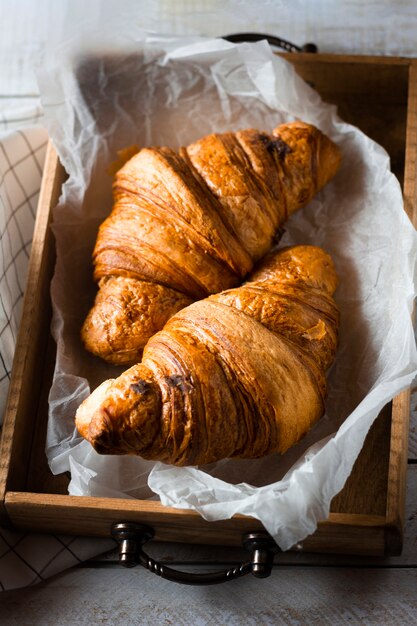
[{"x": 303, "y": 589}]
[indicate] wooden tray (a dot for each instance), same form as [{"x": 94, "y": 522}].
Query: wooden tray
[{"x": 380, "y": 96}]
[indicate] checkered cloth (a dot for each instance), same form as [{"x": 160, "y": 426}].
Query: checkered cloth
[
  {"x": 22, "y": 153},
  {"x": 25, "y": 559}
]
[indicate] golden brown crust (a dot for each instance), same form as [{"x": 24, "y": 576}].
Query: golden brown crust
[
  {"x": 239, "y": 374},
  {"x": 126, "y": 313},
  {"x": 197, "y": 220},
  {"x": 120, "y": 426},
  {"x": 310, "y": 162}
]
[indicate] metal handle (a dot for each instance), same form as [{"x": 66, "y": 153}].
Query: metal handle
[
  {"x": 131, "y": 537},
  {"x": 278, "y": 42}
]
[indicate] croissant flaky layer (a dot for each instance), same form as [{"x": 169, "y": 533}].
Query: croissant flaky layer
[
  {"x": 127, "y": 312},
  {"x": 191, "y": 223},
  {"x": 239, "y": 374}
]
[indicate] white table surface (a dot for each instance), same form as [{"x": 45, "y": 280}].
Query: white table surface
[{"x": 303, "y": 589}]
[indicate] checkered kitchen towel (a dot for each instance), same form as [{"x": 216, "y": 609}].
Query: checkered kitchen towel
[{"x": 25, "y": 559}]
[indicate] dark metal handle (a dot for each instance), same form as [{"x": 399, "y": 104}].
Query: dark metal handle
[
  {"x": 131, "y": 537},
  {"x": 278, "y": 42}
]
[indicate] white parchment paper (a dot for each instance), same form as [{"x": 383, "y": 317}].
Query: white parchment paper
[{"x": 163, "y": 91}]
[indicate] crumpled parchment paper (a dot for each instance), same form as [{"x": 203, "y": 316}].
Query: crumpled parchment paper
[{"x": 160, "y": 90}]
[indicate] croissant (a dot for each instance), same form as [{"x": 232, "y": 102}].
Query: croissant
[
  {"x": 188, "y": 224},
  {"x": 239, "y": 374}
]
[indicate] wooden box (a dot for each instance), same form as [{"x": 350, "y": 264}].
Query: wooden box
[{"x": 377, "y": 94}]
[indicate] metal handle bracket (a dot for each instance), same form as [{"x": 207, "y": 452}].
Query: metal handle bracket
[
  {"x": 278, "y": 42},
  {"x": 132, "y": 536}
]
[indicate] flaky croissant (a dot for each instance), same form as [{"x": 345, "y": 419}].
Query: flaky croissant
[
  {"x": 239, "y": 374},
  {"x": 191, "y": 223}
]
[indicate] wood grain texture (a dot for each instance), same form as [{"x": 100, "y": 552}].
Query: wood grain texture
[
  {"x": 293, "y": 596},
  {"x": 412, "y": 437},
  {"x": 396, "y": 487},
  {"x": 341, "y": 533},
  {"x": 372, "y": 462},
  {"x": 410, "y": 184},
  {"x": 27, "y": 371},
  {"x": 410, "y": 202}
]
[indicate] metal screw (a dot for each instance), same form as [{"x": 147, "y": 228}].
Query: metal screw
[
  {"x": 130, "y": 537},
  {"x": 263, "y": 548}
]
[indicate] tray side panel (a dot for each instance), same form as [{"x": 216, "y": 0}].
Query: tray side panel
[
  {"x": 369, "y": 496},
  {"x": 342, "y": 534},
  {"x": 26, "y": 380},
  {"x": 396, "y": 491},
  {"x": 410, "y": 170}
]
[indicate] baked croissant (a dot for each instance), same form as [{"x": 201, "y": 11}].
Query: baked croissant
[
  {"x": 188, "y": 224},
  {"x": 239, "y": 374}
]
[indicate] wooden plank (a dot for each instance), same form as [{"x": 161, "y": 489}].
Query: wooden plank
[
  {"x": 359, "y": 60},
  {"x": 350, "y": 77},
  {"x": 342, "y": 533},
  {"x": 31, "y": 343},
  {"x": 412, "y": 438},
  {"x": 291, "y": 595},
  {"x": 410, "y": 170},
  {"x": 396, "y": 489},
  {"x": 40, "y": 478},
  {"x": 410, "y": 181},
  {"x": 372, "y": 462}
]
